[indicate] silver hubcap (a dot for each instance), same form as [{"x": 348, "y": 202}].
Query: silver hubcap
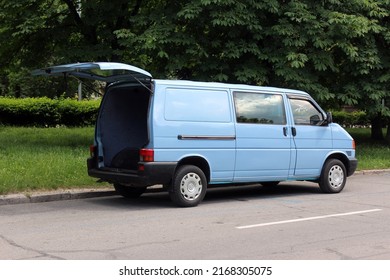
[
  {"x": 336, "y": 176},
  {"x": 191, "y": 186}
]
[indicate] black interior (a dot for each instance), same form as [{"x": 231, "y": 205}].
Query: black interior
[{"x": 123, "y": 125}]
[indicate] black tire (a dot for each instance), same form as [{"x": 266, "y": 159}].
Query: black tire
[
  {"x": 129, "y": 191},
  {"x": 189, "y": 186},
  {"x": 333, "y": 176},
  {"x": 270, "y": 184}
]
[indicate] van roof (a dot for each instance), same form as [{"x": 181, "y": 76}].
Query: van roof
[{"x": 186, "y": 83}]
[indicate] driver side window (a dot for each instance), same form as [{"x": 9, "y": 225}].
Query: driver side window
[{"x": 305, "y": 113}]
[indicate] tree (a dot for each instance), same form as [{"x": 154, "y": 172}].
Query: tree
[
  {"x": 336, "y": 50},
  {"x": 29, "y": 32},
  {"x": 37, "y": 33}
]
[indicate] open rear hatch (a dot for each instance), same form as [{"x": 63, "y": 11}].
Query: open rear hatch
[
  {"x": 122, "y": 126},
  {"x": 101, "y": 71}
]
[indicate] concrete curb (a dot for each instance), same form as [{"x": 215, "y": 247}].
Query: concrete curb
[
  {"x": 37, "y": 197},
  {"x": 373, "y": 171}
]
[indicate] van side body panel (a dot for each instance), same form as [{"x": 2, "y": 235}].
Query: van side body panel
[
  {"x": 263, "y": 153},
  {"x": 263, "y": 142},
  {"x": 312, "y": 144},
  {"x": 195, "y": 122}
]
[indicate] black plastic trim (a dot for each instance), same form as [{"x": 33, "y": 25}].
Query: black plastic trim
[
  {"x": 352, "y": 166},
  {"x": 153, "y": 173},
  {"x": 205, "y": 137}
]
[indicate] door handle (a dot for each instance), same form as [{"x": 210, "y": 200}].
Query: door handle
[
  {"x": 294, "y": 131},
  {"x": 285, "y": 131}
]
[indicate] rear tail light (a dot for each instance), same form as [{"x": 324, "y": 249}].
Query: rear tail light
[
  {"x": 92, "y": 150},
  {"x": 146, "y": 155},
  {"x": 353, "y": 145}
]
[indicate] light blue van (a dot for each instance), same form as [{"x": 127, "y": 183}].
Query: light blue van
[{"x": 190, "y": 135}]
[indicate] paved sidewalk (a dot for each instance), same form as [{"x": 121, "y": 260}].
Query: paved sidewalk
[{"x": 69, "y": 194}]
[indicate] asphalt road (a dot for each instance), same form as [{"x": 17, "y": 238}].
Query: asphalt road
[{"x": 292, "y": 221}]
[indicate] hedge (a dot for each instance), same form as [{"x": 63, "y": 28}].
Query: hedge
[
  {"x": 47, "y": 112},
  {"x": 69, "y": 112},
  {"x": 350, "y": 119}
]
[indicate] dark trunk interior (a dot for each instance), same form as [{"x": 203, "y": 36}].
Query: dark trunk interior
[{"x": 122, "y": 125}]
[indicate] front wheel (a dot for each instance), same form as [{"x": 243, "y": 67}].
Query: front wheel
[
  {"x": 333, "y": 176},
  {"x": 188, "y": 186}
]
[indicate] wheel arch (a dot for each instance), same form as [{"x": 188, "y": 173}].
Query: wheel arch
[
  {"x": 341, "y": 157},
  {"x": 199, "y": 162}
]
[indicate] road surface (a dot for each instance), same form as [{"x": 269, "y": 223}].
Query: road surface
[{"x": 292, "y": 221}]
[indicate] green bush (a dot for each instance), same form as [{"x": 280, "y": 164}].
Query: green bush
[
  {"x": 78, "y": 113},
  {"x": 351, "y": 119},
  {"x": 46, "y": 112}
]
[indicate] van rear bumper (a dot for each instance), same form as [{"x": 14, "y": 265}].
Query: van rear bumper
[
  {"x": 154, "y": 173},
  {"x": 352, "y": 166}
]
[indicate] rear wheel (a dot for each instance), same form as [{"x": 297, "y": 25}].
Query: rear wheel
[
  {"x": 129, "y": 191},
  {"x": 188, "y": 187},
  {"x": 333, "y": 176}
]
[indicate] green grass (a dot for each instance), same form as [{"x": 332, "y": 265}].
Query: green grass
[
  {"x": 55, "y": 158},
  {"x": 371, "y": 154},
  {"x": 44, "y": 158}
]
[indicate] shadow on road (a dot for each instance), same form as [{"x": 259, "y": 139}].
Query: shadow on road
[{"x": 158, "y": 198}]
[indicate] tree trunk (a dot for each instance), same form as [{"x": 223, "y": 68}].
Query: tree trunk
[
  {"x": 388, "y": 133},
  {"x": 376, "y": 128}
]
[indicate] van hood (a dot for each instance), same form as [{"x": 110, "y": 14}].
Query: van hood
[{"x": 102, "y": 71}]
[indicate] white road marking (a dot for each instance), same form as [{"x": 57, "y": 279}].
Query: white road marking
[{"x": 309, "y": 219}]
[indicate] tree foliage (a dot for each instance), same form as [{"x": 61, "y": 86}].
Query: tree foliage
[
  {"x": 336, "y": 50},
  {"x": 37, "y": 33}
]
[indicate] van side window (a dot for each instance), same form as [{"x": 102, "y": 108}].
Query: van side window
[
  {"x": 305, "y": 113},
  {"x": 195, "y": 105},
  {"x": 259, "y": 108}
]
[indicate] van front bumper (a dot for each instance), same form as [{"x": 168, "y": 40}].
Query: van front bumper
[
  {"x": 154, "y": 173},
  {"x": 352, "y": 166}
]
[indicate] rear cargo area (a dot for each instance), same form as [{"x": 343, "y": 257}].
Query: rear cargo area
[{"x": 122, "y": 125}]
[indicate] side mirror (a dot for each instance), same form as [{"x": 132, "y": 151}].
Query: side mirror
[
  {"x": 329, "y": 118},
  {"x": 315, "y": 119}
]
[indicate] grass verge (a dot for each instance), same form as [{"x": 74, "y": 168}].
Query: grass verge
[
  {"x": 44, "y": 158},
  {"x": 371, "y": 154},
  {"x": 55, "y": 158}
]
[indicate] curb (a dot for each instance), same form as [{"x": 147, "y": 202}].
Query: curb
[
  {"x": 37, "y": 197},
  {"x": 372, "y": 171}
]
